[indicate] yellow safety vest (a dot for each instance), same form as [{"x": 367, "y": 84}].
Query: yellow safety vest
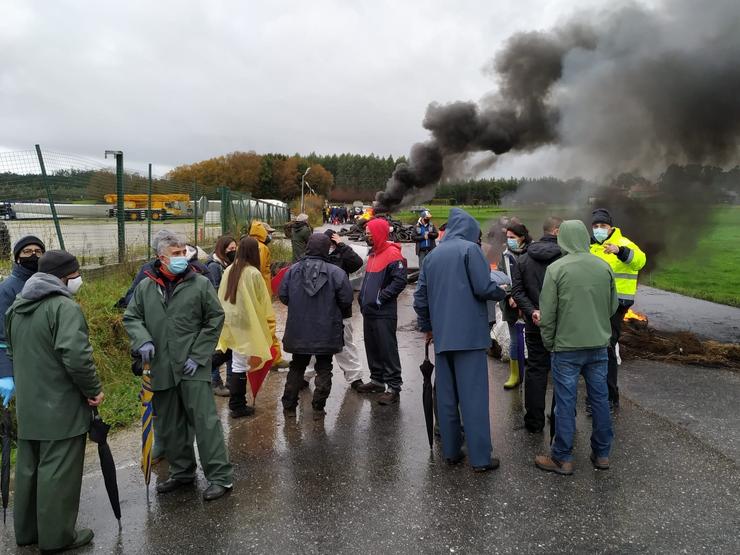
[{"x": 625, "y": 273}]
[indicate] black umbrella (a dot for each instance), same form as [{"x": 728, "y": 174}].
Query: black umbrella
[
  {"x": 426, "y": 397},
  {"x": 99, "y": 434},
  {"x": 552, "y": 417},
  {"x": 6, "y": 429}
]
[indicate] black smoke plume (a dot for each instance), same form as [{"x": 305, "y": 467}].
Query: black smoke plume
[{"x": 633, "y": 89}]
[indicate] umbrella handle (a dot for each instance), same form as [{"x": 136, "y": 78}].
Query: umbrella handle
[{"x": 426, "y": 349}]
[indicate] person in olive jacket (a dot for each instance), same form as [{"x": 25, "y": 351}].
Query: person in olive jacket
[
  {"x": 174, "y": 321},
  {"x": 56, "y": 384}
]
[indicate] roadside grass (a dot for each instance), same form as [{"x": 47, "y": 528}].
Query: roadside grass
[
  {"x": 111, "y": 346},
  {"x": 712, "y": 270},
  {"x": 709, "y": 272}
]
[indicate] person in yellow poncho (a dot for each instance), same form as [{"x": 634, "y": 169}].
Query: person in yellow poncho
[
  {"x": 247, "y": 306},
  {"x": 261, "y": 231}
]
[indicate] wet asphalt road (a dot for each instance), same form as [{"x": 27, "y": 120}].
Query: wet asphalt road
[{"x": 364, "y": 480}]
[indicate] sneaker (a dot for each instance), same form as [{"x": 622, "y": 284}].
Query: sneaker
[
  {"x": 495, "y": 463},
  {"x": 356, "y": 384},
  {"x": 600, "y": 463},
  {"x": 241, "y": 412},
  {"x": 456, "y": 460},
  {"x": 215, "y": 491},
  {"x": 548, "y": 464},
  {"x": 390, "y": 397},
  {"x": 171, "y": 484},
  {"x": 370, "y": 387}
]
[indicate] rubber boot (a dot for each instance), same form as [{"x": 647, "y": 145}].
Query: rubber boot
[
  {"x": 513, "y": 375},
  {"x": 238, "y": 396}
]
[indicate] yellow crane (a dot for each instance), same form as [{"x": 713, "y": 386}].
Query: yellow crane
[{"x": 163, "y": 206}]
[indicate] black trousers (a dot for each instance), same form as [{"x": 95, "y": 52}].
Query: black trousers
[
  {"x": 611, "y": 377},
  {"x": 381, "y": 348},
  {"x": 294, "y": 381},
  {"x": 535, "y": 379}
]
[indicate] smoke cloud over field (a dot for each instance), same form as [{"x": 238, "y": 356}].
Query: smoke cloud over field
[{"x": 634, "y": 89}]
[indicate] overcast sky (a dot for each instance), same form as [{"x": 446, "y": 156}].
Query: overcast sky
[{"x": 173, "y": 82}]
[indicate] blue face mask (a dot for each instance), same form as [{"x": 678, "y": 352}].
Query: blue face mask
[
  {"x": 513, "y": 244},
  {"x": 178, "y": 264},
  {"x": 600, "y": 234}
]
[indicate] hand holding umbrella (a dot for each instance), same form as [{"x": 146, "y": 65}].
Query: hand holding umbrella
[{"x": 427, "y": 398}]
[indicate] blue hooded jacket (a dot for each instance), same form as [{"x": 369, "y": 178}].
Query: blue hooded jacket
[
  {"x": 453, "y": 288},
  {"x": 9, "y": 289}
]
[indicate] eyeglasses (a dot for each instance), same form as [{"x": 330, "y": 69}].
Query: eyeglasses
[{"x": 29, "y": 252}]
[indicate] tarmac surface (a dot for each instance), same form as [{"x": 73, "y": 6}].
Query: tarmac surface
[{"x": 364, "y": 479}]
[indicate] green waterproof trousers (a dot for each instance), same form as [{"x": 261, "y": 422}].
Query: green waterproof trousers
[
  {"x": 183, "y": 411},
  {"x": 48, "y": 480}
]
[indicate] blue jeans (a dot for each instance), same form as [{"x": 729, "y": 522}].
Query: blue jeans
[
  {"x": 216, "y": 372},
  {"x": 566, "y": 367}
]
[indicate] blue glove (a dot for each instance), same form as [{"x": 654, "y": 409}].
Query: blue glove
[
  {"x": 190, "y": 367},
  {"x": 146, "y": 351},
  {"x": 7, "y": 388}
]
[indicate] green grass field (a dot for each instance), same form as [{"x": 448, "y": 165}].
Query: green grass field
[{"x": 711, "y": 271}]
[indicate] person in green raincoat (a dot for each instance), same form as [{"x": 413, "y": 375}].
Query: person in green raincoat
[
  {"x": 56, "y": 384},
  {"x": 174, "y": 321}
]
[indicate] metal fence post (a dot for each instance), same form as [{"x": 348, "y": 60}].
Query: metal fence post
[
  {"x": 120, "y": 207},
  {"x": 50, "y": 197},
  {"x": 195, "y": 211},
  {"x": 225, "y": 205},
  {"x": 149, "y": 216}
]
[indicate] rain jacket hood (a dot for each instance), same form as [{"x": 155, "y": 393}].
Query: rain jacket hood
[
  {"x": 379, "y": 230},
  {"x": 40, "y": 286},
  {"x": 462, "y": 225},
  {"x": 573, "y": 237},
  {"x": 545, "y": 250},
  {"x": 258, "y": 231}
]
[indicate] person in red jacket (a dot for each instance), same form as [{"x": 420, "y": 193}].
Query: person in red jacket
[{"x": 385, "y": 278}]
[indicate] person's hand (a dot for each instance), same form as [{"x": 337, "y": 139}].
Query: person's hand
[
  {"x": 512, "y": 302},
  {"x": 189, "y": 367},
  {"x": 97, "y": 400},
  {"x": 536, "y": 317},
  {"x": 426, "y": 236},
  {"x": 336, "y": 238},
  {"x": 7, "y": 389},
  {"x": 146, "y": 351},
  {"x": 611, "y": 248},
  {"x": 429, "y": 336}
]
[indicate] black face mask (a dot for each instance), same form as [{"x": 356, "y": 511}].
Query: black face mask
[
  {"x": 230, "y": 256},
  {"x": 268, "y": 239},
  {"x": 30, "y": 263}
]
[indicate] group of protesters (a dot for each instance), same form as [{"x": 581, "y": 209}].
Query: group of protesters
[{"x": 187, "y": 318}]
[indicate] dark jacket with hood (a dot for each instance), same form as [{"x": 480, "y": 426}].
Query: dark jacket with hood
[
  {"x": 215, "y": 270},
  {"x": 453, "y": 288},
  {"x": 529, "y": 273},
  {"x": 318, "y": 296},
  {"x": 385, "y": 274},
  {"x": 346, "y": 258},
  {"x": 299, "y": 234},
  {"x": 9, "y": 289},
  {"x": 54, "y": 369}
]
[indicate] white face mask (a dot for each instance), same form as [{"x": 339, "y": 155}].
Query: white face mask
[{"x": 74, "y": 284}]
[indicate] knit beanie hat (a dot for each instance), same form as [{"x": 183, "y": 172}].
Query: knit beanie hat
[
  {"x": 58, "y": 263},
  {"x": 23, "y": 242},
  {"x": 601, "y": 216}
]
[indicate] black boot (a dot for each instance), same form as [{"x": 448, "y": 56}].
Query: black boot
[{"x": 238, "y": 399}]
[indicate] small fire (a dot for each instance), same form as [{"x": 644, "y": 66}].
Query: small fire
[{"x": 633, "y": 315}]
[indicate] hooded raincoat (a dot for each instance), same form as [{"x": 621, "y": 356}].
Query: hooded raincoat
[
  {"x": 578, "y": 295},
  {"x": 246, "y": 328},
  {"x": 9, "y": 289},
  {"x": 258, "y": 231},
  {"x": 54, "y": 369},
  {"x": 453, "y": 288},
  {"x": 318, "y": 295}
]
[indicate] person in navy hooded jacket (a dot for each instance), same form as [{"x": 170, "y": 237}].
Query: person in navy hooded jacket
[
  {"x": 385, "y": 278},
  {"x": 450, "y": 302}
]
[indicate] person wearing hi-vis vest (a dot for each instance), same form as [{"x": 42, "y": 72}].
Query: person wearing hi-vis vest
[{"x": 626, "y": 260}]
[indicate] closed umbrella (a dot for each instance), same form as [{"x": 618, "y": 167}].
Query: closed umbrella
[
  {"x": 257, "y": 376},
  {"x": 147, "y": 431},
  {"x": 426, "y": 396},
  {"x": 6, "y": 430},
  {"x": 99, "y": 434}
]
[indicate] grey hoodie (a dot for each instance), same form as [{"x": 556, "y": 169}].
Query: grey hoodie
[{"x": 41, "y": 285}]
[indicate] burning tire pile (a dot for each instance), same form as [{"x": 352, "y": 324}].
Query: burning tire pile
[{"x": 640, "y": 341}]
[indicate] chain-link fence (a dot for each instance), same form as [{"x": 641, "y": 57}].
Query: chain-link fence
[{"x": 103, "y": 214}]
